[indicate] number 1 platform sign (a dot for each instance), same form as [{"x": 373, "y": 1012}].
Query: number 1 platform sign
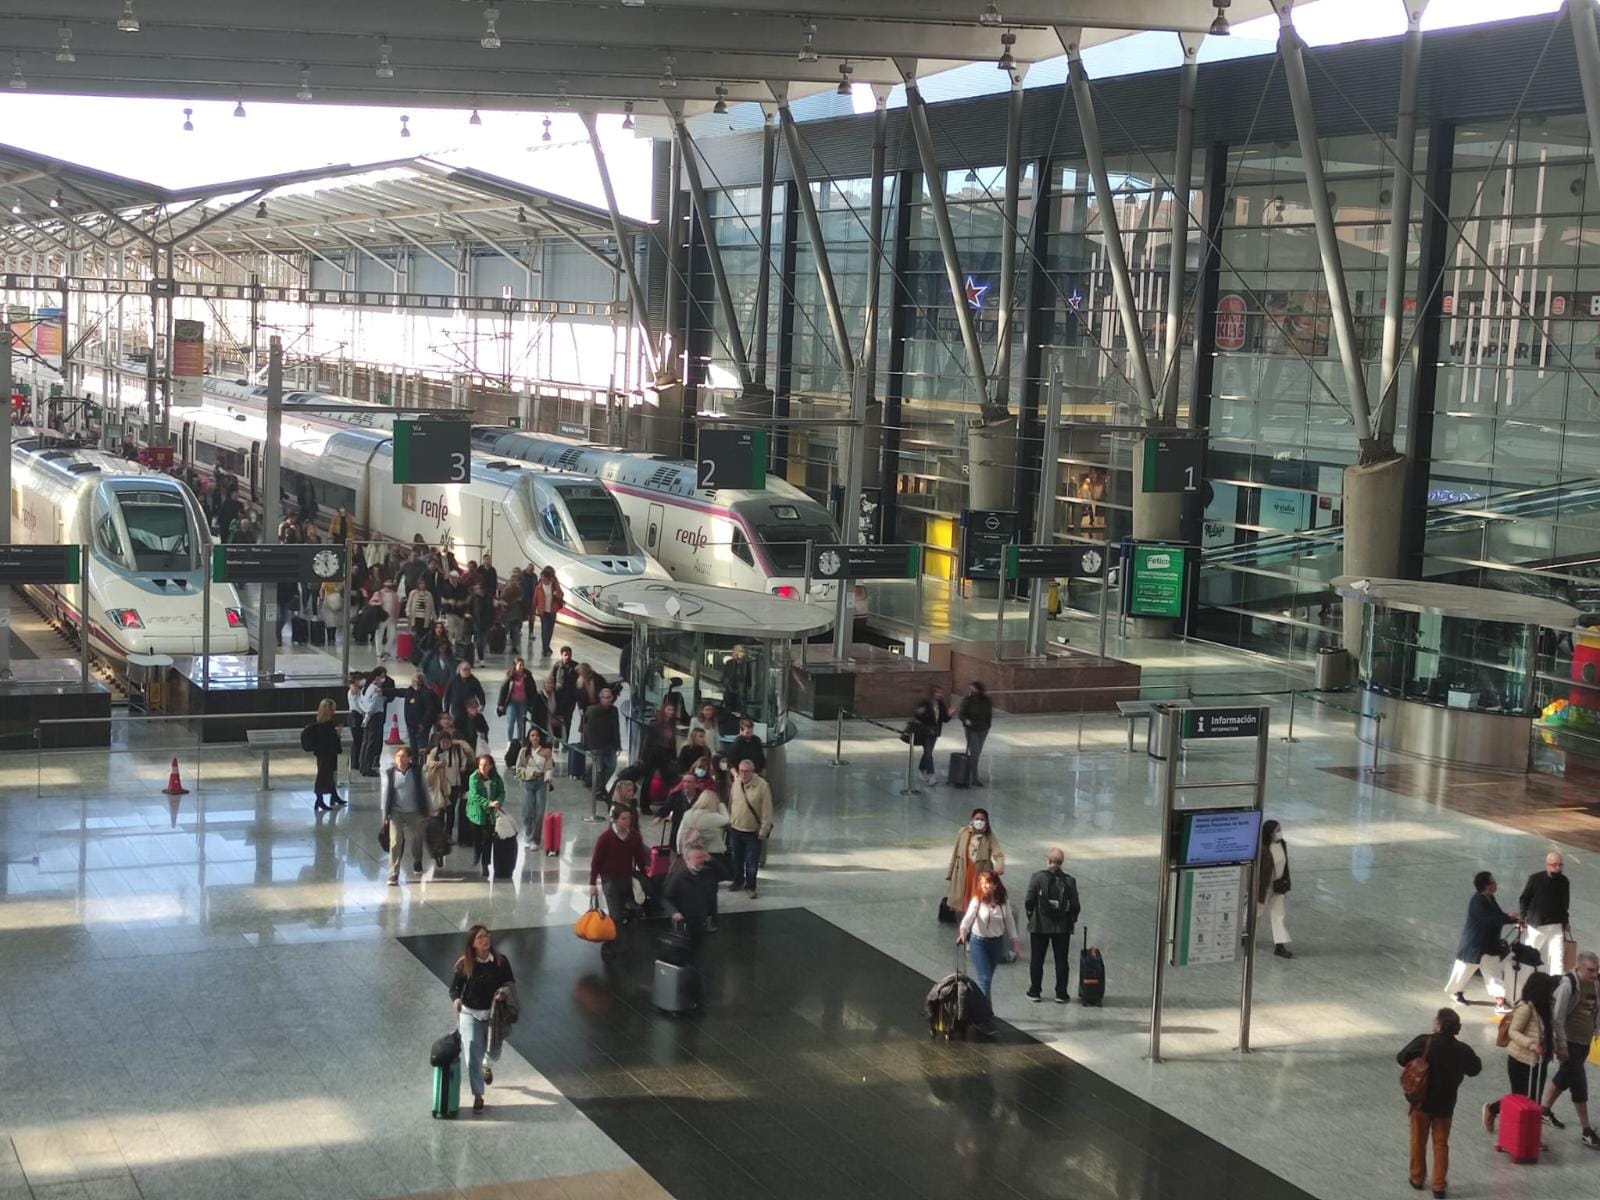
[{"x": 430, "y": 450}]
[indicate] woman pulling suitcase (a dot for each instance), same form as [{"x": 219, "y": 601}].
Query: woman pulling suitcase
[{"x": 480, "y": 972}]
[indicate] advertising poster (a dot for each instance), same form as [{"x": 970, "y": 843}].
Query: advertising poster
[
  {"x": 188, "y": 363},
  {"x": 1155, "y": 581}
]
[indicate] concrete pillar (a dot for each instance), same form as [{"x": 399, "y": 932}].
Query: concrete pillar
[
  {"x": 1157, "y": 516},
  {"x": 1374, "y": 495}
]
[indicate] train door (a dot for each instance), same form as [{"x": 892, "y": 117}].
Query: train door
[
  {"x": 255, "y": 472},
  {"x": 653, "y": 530}
]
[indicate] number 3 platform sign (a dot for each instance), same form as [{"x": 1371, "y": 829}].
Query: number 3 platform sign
[{"x": 430, "y": 450}]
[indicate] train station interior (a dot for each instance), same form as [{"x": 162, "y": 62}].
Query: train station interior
[{"x": 730, "y": 503}]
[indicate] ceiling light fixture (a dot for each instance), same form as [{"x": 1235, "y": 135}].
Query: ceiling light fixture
[
  {"x": 385, "y": 69},
  {"x": 128, "y": 22},
  {"x": 16, "y": 208},
  {"x": 304, "y": 92},
  {"x": 546, "y": 136},
  {"x": 721, "y": 105},
  {"x": 238, "y": 110},
  {"x": 632, "y": 3},
  {"x": 561, "y": 94},
  {"x": 1219, "y": 27},
  {"x": 491, "y": 35},
  {"x": 522, "y": 213},
  {"x": 55, "y": 201},
  {"x": 1006, "y": 62},
  {"x": 64, "y": 52},
  {"x": 188, "y": 123},
  {"x": 261, "y": 211},
  {"x": 844, "y": 79},
  {"x": 972, "y": 175},
  {"x": 808, "y": 44},
  {"x": 405, "y": 126},
  {"x": 372, "y": 227},
  {"x": 19, "y": 81},
  {"x": 990, "y": 17},
  {"x": 474, "y": 119},
  {"x": 668, "y": 79},
  {"x": 627, "y": 115}
]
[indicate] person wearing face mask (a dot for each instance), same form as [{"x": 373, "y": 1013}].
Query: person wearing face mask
[
  {"x": 693, "y": 751},
  {"x": 618, "y": 855},
  {"x": 749, "y": 825},
  {"x": 1272, "y": 885},
  {"x": 702, "y": 824},
  {"x": 695, "y": 779},
  {"x": 976, "y": 849}
]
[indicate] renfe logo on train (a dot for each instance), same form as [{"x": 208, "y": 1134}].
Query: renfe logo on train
[{"x": 695, "y": 539}]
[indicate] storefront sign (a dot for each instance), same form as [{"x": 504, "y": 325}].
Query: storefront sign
[
  {"x": 188, "y": 364},
  {"x": 1231, "y": 318}
]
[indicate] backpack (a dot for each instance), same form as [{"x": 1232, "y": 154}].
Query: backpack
[
  {"x": 308, "y": 742},
  {"x": 1414, "y": 1078}
]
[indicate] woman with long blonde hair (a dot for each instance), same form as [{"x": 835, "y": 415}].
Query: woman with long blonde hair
[{"x": 321, "y": 740}]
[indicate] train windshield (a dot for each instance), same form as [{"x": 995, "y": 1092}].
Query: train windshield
[
  {"x": 784, "y": 530},
  {"x": 583, "y": 517},
  {"x": 161, "y": 536}
]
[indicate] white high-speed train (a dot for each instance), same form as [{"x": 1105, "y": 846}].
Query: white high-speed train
[
  {"x": 147, "y": 548},
  {"x": 517, "y": 515}
]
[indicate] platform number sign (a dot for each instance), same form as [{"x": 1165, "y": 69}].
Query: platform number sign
[
  {"x": 1173, "y": 464},
  {"x": 732, "y": 459},
  {"x": 432, "y": 451}
]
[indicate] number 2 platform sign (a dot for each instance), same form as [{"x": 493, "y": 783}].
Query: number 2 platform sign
[{"x": 430, "y": 450}]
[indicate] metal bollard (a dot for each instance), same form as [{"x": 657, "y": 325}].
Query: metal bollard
[
  {"x": 1290, "y": 737},
  {"x": 910, "y": 788},
  {"x": 838, "y": 742},
  {"x": 1377, "y": 745}
]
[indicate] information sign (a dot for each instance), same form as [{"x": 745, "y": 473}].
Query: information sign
[
  {"x": 1208, "y": 915},
  {"x": 188, "y": 363},
  {"x": 314, "y": 564},
  {"x": 984, "y": 537},
  {"x": 39, "y": 564},
  {"x": 1058, "y": 562},
  {"x": 431, "y": 450},
  {"x": 1222, "y": 722},
  {"x": 1173, "y": 464},
  {"x": 1213, "y": 837},
  {"x": 572, "y": 429},
  {"x": 864, "y": 562},
  {"x": 735, "y": 459},
  {"x": 1155, "y": 581}
]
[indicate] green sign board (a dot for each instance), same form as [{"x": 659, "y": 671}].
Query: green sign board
[{"x": 1155, "y": 581}]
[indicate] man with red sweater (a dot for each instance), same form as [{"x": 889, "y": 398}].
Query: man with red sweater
[{"x": 618, "y": 853}]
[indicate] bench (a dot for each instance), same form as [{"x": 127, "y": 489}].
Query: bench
[
  {"x": 1145, "y": 710},
  {"x": 268, "y": 740}
]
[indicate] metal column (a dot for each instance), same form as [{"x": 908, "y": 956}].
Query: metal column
[
  {"x": 1587, "y": 48},
  {"x": 850, "y": 518},
  {"x": 166, "y": 358},
  {"x": 1009, "y": 235},
  {"x": 702, "y": 212},
  {"x": 1305, "y": 122},
  {"x": 819, "y": 247},
  {"x": 1405, "y": 152},
  {"x": 1044, "y": 519},
  {"x": 769, "y": 176},
  {"x": 671, "y": 353},
  {"x": 869, "y": 331},
  {"x": 636, "y": 297},
  {"x": 1178, "y": 264},
  {"x": 916, "y": 109},
  {"x": 1116, "y": 256},
  {"x": 271, "y": 493},
  {"x": 5, "y": 492}
]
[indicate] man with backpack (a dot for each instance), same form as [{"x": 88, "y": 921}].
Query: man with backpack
[
  {"x": 1435, "y": 1065},
  {"x": 1052, "y": 907},
  {"x": 405, "y": 809},
  {"x": 1574, "y": 1009}
]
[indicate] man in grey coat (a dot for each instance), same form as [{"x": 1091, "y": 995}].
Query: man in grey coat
[{"x": 1052, "y": 908}]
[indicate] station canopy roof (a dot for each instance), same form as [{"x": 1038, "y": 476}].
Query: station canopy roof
[
  {"x": 417, "y": 200},
  {"x": 653, "y": 57}
]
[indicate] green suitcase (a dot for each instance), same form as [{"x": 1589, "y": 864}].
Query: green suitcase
[{"x": 447, "y": 1090}]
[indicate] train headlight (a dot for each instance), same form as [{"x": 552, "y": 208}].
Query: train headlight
[
  {"x": 124, "y": 618},
  {"x": 235, "y": 618}
]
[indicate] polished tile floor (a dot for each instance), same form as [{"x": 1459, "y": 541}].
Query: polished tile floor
[
  {"x": 810, "y": 1072},
  {"x": 208, "y": 998}
]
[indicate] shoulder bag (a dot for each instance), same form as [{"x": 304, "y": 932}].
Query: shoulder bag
[{"x": 1414, "y": 1076}]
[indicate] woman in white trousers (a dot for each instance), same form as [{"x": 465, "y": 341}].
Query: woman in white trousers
[{"x": 1272, "y": 885}]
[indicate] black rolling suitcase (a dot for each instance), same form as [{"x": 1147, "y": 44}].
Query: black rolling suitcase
[
  {"x": 497, "y": 638},
  {"x": 960, "y": 770},
  {"x": 299, "y": 630},
  {"x": 503, "y": 857},
  {"x": 1091, "y": 973}
]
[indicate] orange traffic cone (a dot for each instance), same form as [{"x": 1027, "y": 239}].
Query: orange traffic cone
[
  {"x": 394, "y": 730},
  {"x": 175, "y": 782}
]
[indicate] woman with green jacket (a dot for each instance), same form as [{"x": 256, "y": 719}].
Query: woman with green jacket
[{"x": 486, "y": 795}]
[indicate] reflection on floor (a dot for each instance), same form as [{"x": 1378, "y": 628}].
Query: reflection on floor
[
  {"x": 1564, "y": 809},
  {"x": 807, "y": 1083},
  {"x": 629, "y": 1183}
]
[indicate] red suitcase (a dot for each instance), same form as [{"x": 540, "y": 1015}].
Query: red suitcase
[
  {"x": 405, "y": 646},
  {"x": 550, "y": 835},
  {"x": 660, "y": 862},
  {"x": 1517, "y": 1132}
]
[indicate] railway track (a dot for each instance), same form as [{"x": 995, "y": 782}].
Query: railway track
[{"x": 55, "y": 639}]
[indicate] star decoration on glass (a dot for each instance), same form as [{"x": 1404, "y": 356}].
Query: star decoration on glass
[
  {"x": 1075, "y": 301},
  {"x": 976, "y": 293}
]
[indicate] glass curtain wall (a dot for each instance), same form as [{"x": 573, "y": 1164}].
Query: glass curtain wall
[
  {"x": 819, "y": 386},
  {"x": 736, "y": 216},
  {"x": 1085, "y": 338},
  {"x": 1514, "y": 497},
  {"x": 939, "y": 396},
  {"x": 1281, "y": 427}
]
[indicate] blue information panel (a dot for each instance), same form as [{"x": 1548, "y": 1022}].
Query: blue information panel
[{"x": 1214, "y": 837}]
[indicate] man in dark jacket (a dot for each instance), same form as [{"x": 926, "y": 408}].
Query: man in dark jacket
[
  {"x": 658, "y": 748},
  {"x": 564, "y": 675},
  {"x": 977, "y": 714},
  {"x": 458, "y": 691},
  {"x": 602, "y": 735},
  {"x": 1544, "y": 903},
  {"x": 422, "y": 713},
  {"x": 1483, "y": 947},
  {"x": 1052, "y": 907},
  {"x": 747, "y": 746},
  {"x": 1449, "y": 1062},
  {"x": 690, "y": 893}
]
